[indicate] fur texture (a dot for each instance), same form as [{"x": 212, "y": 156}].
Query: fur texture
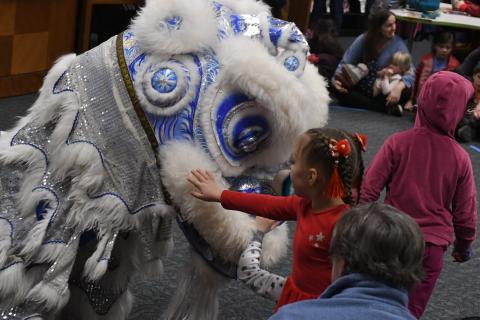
[
  {"x": 233, "y": 229},
  {"x": 197, "y": 31}
]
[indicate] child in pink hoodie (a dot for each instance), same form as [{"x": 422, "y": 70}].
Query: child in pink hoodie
[{"x": 428, "y": 175}]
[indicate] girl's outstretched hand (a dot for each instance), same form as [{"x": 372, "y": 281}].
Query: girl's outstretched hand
[{"x": 205, "y": 186}]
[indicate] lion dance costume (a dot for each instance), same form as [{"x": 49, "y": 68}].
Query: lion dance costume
[{"x": 92, "y": 178}]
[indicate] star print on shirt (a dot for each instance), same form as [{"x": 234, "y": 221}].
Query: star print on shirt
[
  {"x": 310, "y": 237},
  {"x": 320, "y": 237}
]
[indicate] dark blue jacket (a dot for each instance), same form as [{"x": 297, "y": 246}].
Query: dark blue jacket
[{"x": 353, "y": 296}]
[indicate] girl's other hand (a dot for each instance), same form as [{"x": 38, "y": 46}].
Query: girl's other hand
[
  {"x": 408, "y": 105},
  {"x": 205, "y": 186},
  {"x": 340, "y": 88},
  {"x": 265, "y": 225}
]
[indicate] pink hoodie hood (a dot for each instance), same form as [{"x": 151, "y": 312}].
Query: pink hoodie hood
[{"x": 442, "y": 102}]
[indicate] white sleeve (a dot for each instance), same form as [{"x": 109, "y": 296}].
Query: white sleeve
[
  {"x": 262, "y": 282},
  {"x": 389, "y": 83}
]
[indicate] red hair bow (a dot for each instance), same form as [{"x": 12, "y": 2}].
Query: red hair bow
[
  {"x": 362, "y": 138},
  {"x": 339, "y": 148}
]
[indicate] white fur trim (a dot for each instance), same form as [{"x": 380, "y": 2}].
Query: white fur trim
[
  {"x": 49, "y": 298},
  {"x": 246, "y": 6},
  {"x": 198, "y": 29},
  {"x": 228, "y": 232},
  {"x": 13, "y": 284},
  {"x": 35, "y": 236},
  {"x": 95, "y": 268}
]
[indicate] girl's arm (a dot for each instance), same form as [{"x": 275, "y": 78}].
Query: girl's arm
[
  {"x": 272, "y": 207},
  {"x": 378, "y": 173},
  {"x": 262, "y": 282}
]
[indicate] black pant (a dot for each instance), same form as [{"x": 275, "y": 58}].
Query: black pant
[
  {"x": 336, "y": 10},
  {"x": 357, "y": 99}
]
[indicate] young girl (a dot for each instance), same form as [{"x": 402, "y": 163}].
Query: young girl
[
  {"x": 326, "y": 165},
  {"x": 440, "y": 58},
  {"x": 429, "y": 176}
]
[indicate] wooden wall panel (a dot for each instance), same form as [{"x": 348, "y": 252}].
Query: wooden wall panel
[
  {"x": 32, "y": 16},
  {"x": 5, "y": 54},
  {"x": 299, "y": 12},
  {"x": 7, "y": 17},
  {"x": 29, "y": 53},
  {"x": 33, "y": 34}
]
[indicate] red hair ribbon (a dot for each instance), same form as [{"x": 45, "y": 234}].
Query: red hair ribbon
[
  {"x": 335, "y": 187},
  {"x": 362, "y": 138}
]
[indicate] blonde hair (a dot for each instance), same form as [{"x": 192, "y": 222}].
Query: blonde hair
[{"x": 402, "y": 60}]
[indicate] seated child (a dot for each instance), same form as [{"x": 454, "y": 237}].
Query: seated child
[
  {"x": 472, "y": 7},
  {"x": 352, "y": 74},
  {"x": 326, "y": 51},
  {"x": 389, "y": 77},
  {"x": 376, "y": 251},
  {"x": 469, "y": 127},
  {"x": 440, "y": 58}
]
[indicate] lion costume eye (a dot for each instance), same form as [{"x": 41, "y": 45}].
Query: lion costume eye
[
  {"x": 241, "y": 125},
  {"x": 166, "y": 87}
]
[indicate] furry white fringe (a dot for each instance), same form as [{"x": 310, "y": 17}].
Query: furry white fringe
[
  {"x": 228, "y": 232},
  {"x": 197, "y": 30}
]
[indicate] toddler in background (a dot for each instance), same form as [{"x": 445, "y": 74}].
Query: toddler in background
[
  {"x": 472, "y": 7},
  {"x": 440, "y": 58},
  {"x": 389, "y": 77},
  {"x": 469, "y": 127},
  {"x": 326, "y": 51}
]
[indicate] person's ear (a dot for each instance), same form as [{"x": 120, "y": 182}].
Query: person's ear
[{"x": 312, "y": 176}]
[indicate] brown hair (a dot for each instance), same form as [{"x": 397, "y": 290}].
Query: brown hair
[
  {"x": 374, "y": 33},
  {"x": 381, "y": 241},
  {"x": 317, "y": 153}
]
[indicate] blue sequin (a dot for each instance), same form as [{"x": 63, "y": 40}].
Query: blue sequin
[
  {"x": 238, "y": 23},
  {"x": 41, "y": 210},
  {"x": 275, "y": 34},
  {"x": 296, "y": 37},
  {"x": 164, "y": 80},
  {"x": 291, "y": 63},
  {"x": 174, "y": 22}
]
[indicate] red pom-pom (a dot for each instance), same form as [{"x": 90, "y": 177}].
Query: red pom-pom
[
  {"x": 313, "y": 58},
  {"x": 343, "y": 148}
]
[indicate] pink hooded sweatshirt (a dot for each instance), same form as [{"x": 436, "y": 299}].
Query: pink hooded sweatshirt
[{"x": 428, "y": 175}]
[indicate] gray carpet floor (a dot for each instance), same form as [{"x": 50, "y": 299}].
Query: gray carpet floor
[{"x": 458, "y": 291}]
